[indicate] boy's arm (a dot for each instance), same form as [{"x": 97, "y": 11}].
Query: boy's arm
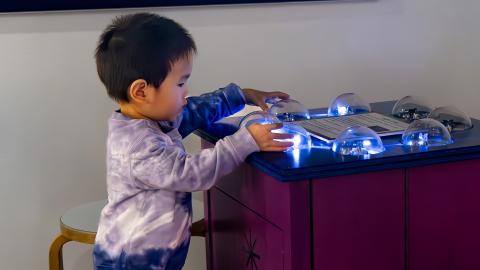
[
  {"x": 208, "y": 108},
  {"x": 158, "y": 166}
]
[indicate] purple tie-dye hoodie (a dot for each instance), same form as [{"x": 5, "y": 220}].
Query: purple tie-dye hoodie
[{"x": 145, "y": 224}]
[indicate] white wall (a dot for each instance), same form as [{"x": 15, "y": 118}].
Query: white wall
[{"x": 53, "y": 109}]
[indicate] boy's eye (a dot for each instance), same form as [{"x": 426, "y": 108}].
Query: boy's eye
[{"x": 181, "y": 84}]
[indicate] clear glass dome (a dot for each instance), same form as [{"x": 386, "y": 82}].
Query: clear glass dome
[
  {"x": 426, "y": 132},
  {"x": 260, "y": 117},
  {"x": 452, "y": 118},
  {"x": 411, "y": 108},
  {"x": 358, "y": 141},
  {"x": 289, "y": 110},
  {"x": 348, "y": 103},
  {"x": 301, "y": 139}
]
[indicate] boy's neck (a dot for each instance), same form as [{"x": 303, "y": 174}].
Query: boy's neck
[{"x": 130, "y": 111}]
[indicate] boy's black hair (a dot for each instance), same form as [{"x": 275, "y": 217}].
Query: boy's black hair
[{"x": 139, "y": 46}]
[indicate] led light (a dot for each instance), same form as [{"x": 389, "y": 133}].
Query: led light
[
  {"x": 301, "y": 139},
  {"x": 342, "y": 110},
  {"x": 367, "y": 143},
  {"x": 348, "y": 103}
]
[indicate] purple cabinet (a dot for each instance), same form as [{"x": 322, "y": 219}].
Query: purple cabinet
[
  {"x": 276, "y": 214},
  {"x": 444, "y": 216},
  {"x": 413, "y": 209},
  {"x": 346, "y": 222},
  {"x": 416, "y": 218},
  {"x": 358, "y": 221},
  {"x": 242, "y": 239}
]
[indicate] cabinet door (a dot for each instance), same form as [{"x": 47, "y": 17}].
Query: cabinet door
[
  {"x": 444, "y": 216},
  {"x": 240, "y": 239},
  {"x": 359, "y": 221}
]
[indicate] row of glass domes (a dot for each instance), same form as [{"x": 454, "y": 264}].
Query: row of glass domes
[{"x": 428, "y": 127}]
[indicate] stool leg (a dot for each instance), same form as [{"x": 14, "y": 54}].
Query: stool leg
[
  {"x": 55, "y": 255},
  {"x": 199, "y": 228}
]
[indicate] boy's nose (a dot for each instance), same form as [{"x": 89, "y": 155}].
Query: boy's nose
[{"x": 185, "y": 95}]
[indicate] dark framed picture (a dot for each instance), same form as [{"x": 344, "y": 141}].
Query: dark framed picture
[{"x": 48, "y": 5}]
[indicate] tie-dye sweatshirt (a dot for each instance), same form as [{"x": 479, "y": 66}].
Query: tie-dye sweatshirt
[{"x": 145, "y": 224}]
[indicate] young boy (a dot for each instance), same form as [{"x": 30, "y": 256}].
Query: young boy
[{"x": 144, "y": 61}]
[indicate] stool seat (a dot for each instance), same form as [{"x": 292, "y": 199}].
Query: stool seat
[
  {"x": 80, "y": 223},
  {"x": 77, "y": 224}
]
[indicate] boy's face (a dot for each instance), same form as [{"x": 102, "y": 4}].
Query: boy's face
[{"x": 168, "y": 99}]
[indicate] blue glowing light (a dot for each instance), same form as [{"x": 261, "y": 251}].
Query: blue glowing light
[
  {"x": 358, "y": 141},
  {"x": 301, "y": 139},
  {"x": 342, "y": 110},
  {"x": 426, "y": 132}
]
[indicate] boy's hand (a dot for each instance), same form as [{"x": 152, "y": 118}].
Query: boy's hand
[
  {"x": 256, "y": 97},
  {"x": 266, "y": 140}
]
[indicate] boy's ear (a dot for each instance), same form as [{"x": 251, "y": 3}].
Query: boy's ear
[{"x": 137, "y": 91}]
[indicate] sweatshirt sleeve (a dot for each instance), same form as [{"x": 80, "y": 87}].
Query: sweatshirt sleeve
[
  {"x": 158, "y": 166},
  {"x": 208, "y": 108}
]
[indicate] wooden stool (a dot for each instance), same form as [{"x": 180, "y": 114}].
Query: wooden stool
[
  {"x": 77, "y": 224},
  {"x": 80, "y": 224}
]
